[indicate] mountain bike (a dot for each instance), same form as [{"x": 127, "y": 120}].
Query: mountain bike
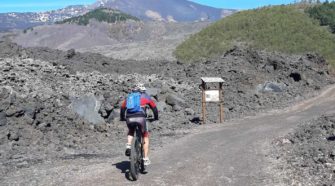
[{"x": 136, "y": 154}]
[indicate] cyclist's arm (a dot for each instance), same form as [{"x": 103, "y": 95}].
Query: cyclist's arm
[
  {"x": 123, "y": 111},
  {"x": 153, "y": 108},
  {"x": 146, "y": 100}
]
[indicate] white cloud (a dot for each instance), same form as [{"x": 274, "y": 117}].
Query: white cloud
[
  {"x": 171, "y": 19},
  {"x": 154, "y": 15}
]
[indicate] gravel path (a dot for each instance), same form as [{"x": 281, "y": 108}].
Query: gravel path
[{"x": 233, "y": 153}]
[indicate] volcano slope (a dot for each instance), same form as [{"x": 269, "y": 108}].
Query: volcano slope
[
  {"x": 125, "y": 40},
  {"x": 42, "y": 89}
]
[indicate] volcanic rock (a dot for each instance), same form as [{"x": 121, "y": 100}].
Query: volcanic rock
[
  {"x": 86, "y": 107},
  {"x": 173, "y": 100},
  {"x": 3, "y": 119}
]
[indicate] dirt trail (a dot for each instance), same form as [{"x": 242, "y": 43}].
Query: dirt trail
[{"x": 234, "y": 153}]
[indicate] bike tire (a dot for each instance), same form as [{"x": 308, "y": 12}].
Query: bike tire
[
  {"x": 134, "y": 157},
  {"x": 141, "y": 153}
]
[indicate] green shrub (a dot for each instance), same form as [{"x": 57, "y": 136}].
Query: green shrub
[
  {"x": 278, "y": 28},
  {"x": 27, "y": 29},
  {"x": 325, "y": 13},
  {"x": 101, "y": 15}
]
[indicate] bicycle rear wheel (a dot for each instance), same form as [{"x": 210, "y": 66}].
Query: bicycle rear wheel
[{"x": 135, "y": 160}]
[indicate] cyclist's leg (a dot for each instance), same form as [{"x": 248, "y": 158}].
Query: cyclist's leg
[
  {"x": 145, "y": 133},
  {"x": 130, "y": 137}
]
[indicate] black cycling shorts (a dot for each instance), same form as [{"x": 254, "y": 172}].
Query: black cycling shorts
[{"x": 133, "y": 121}]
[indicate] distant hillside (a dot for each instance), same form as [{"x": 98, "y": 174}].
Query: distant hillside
[
  {"x": 101, "y": 15},
  {"x": 123, "y": 40},
  {"x": 157, "y": 10},
  {"x": 279, "y": 28},
  {"x": 15, "y": 20}
]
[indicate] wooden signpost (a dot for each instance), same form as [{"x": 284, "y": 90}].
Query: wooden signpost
[{"x": 211, "y": 95}]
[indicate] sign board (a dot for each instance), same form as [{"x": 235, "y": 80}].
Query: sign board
[{"x": 212, "y": 96}]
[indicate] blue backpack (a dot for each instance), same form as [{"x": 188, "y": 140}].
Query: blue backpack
[{"x": 134, "y": 102}]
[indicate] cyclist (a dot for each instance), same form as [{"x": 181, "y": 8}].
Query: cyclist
[{"x": 140, "y": 118}]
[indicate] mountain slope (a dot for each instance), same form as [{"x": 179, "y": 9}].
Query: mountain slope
[
  {"x": 159, "y": 10},
  {"x": 16, "y": 20},
  {"x": 281, "y": 28},
  {"x": 162, "y": 10}
]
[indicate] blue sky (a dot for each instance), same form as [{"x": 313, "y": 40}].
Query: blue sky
[
  {"x": 43, "y": 5},
  {"x": 37, "y": 5}
]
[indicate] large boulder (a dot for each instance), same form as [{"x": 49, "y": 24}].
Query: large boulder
[
  {"x": 88, "y": 108},
  {"x": 173, "y": 100},
  {"x": 114, "y": 115},
  {"x": 269, "y": 87},
  {"x": 3, "y": 119},
  {"x": 189, "y": 111},
  {"x": 153, "y": 92},
  {"x": 161, "y": 106}
]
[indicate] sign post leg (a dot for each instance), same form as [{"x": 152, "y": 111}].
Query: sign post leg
[
  {"x": 221, "y": 104},
  {"x": 203, "y": 104}
]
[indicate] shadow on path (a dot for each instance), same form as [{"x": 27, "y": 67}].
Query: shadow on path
[{"x": 124, "y": 167}]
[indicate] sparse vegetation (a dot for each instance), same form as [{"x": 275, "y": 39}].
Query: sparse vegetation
[
  {"x": 101, "y": 15},
  {"x": 27, "y": 29},
  {"x": 279, "y": 28},
  {"x": 325, "y": 13}
]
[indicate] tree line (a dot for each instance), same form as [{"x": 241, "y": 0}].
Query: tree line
[
  {"x": 325, "y": 13},
  {"x": 310, "y": 1}
]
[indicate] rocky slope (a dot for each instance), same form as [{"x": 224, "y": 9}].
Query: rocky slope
[
  {"x": 58, "y": 105},
  {"x": 125, "y": 40}
]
